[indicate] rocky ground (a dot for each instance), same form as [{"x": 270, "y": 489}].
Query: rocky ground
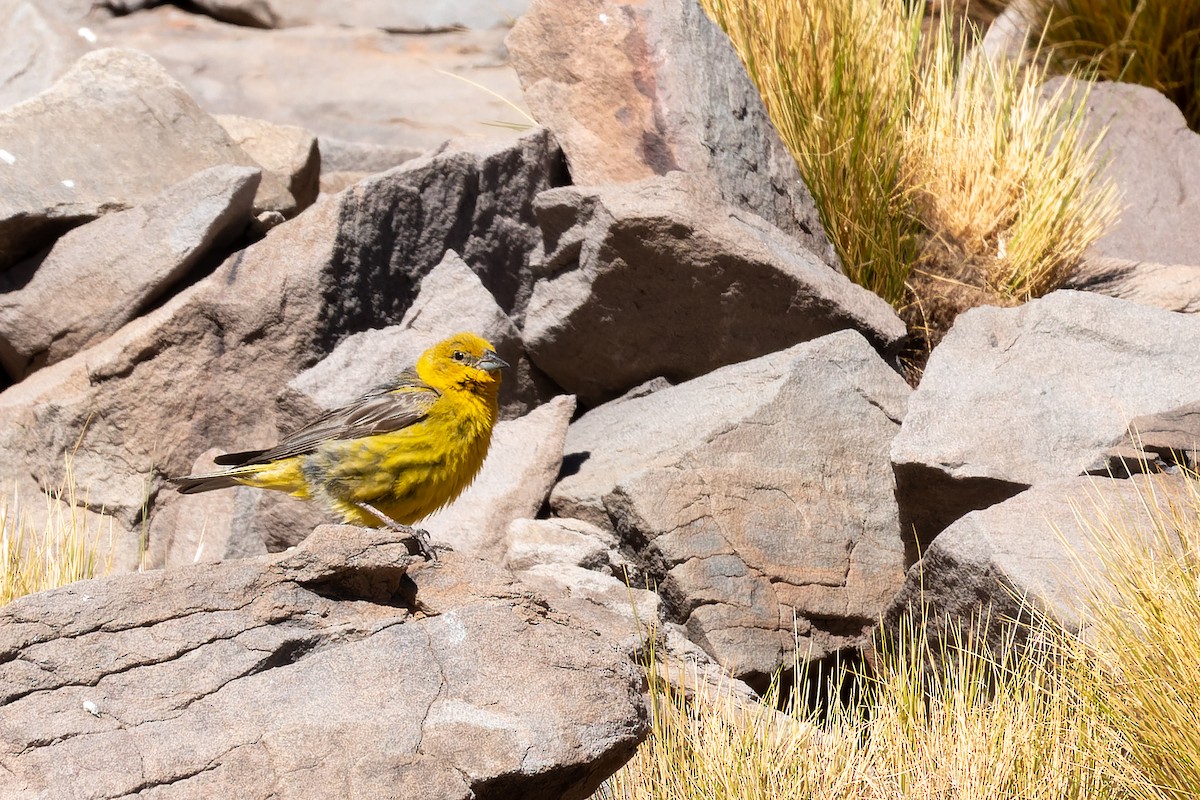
[{"x": 215, "y": 224}]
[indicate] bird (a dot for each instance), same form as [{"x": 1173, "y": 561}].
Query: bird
[{"x": 395, "y": 455}]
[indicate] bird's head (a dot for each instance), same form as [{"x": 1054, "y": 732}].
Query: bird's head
[{"x": 464, "y": 360}]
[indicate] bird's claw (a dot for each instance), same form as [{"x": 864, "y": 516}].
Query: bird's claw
[{"x": 425, "y": 547}]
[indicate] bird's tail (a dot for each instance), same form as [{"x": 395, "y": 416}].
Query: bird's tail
[
  {"x": 191, "y": 484},
  {"x": 244, "y": 464}
]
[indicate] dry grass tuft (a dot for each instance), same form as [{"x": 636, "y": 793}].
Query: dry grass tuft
[
  {"x": 1154, "y": 43},
  {"x": 62, "y": 549},
  {"x": 836, "y": 78},
  {"x": 943, "y": 184},
  {"x": 967, "y": 729},
  {"x": 1141, "y": 664}
]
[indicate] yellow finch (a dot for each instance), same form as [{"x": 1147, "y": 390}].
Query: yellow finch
[{"x": 392, "y": 457}]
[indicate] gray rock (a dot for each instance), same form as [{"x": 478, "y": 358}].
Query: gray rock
[
  {"x": 280, "y": 676},
  {"x": 513, "y": 484},
  {"x": 1008, "y": 36},
  {"x": 345, "y": 163},
  {"x": 1033, "y": 552},
  {"x": 1152, "y": 254},
  {"x": 99, "y": 276},
  {"x": 1154, "y": 159},
  {"x": 633, "y": 90},
  {"x": 451, "y": 299},
  {"x": 113, "y": 132},
  {"x": 1175, "y": 287},
  {"x": 758, "y": 497},
  {"x": 1155, "y": 442},
  {"x": 1015, "y": 397},
  {"x": 366, "y": 85},
  {"x": 287, "y": 152},
  {"x": 658, "y": 278},
  {"x": 578, "y": 565},
  {"x": 37, "y": 46},
  {"x": 386, "y": 14},
  {"x": 531, "y": 543},
  {"x": 340, "y": 155},
  {"x": 209, "y": 368}
]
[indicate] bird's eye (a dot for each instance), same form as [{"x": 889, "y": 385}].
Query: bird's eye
[{"x": 459, "y": 355}]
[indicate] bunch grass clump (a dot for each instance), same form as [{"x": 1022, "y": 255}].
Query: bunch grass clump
[
  {"x": 944, "y": 181},
  {"x": 61, "y": 546},
  {"x": 1141, "y": 643},
  {"x": 837, "y": 79},
  {"x": 1003, "y": 172},
  {"x": 1154, "y": 43},
  {"x": 952, "y": 722}
]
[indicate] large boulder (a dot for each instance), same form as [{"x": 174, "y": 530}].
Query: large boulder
[
  {"x": 1152, "y": 253},
  {"x": 209, "y": 368},
  {"x": 113, "y": 132},
  {"x": 345, "y": 668},
  {"x": 758, "y": 497},
  {"x": 638, "y": 89},
  {"x": 1032, "y": 555},
  {"x": 658, "y": 278},
  {"x": 1014, "y": 397},
  {"x": 101, "y": 275}
]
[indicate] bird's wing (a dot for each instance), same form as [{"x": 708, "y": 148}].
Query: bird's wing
[{"x": 388, "y": 408}]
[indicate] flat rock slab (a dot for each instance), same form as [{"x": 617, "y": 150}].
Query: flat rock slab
[
  {"x": 638, "y": 89},
  {"x": 759, "y": 497},
  {"x": 357, "y": 84},
  {"x": 113, "y": 132},
  {"x": 345, "y": 668},
  {"x": 659, "y": 278},
  {"x": 1014, "y": 397}
]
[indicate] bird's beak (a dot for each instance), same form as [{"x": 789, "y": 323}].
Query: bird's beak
[{"x": 491, "y": 362}]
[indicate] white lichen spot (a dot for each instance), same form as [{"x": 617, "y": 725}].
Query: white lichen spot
[
  {"x": 604, "y": 19},
  {"x": 67, "y": 182},
  {"x": 7, "y": 157},
  {"x": 87, "y": 35},
  {"x": 91, "y": 708}
]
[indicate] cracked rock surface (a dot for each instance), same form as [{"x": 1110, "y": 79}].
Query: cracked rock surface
[
  {"x": 342, "y": 668},
  {"x": 758, "y": 497}
]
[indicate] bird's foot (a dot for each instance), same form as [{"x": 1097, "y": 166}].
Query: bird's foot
[
  {"x": 419, "y": 535},
  {"x": 425, "y": 547}
]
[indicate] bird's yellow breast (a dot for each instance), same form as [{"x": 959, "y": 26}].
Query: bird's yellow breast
[{"x": 410, "y": 473}]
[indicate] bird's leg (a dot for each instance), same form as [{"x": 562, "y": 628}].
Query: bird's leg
[{"x": 424, "y": 547}]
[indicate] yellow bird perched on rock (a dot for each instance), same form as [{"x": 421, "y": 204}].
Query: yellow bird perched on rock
[{"x": 392, "y": 457}]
